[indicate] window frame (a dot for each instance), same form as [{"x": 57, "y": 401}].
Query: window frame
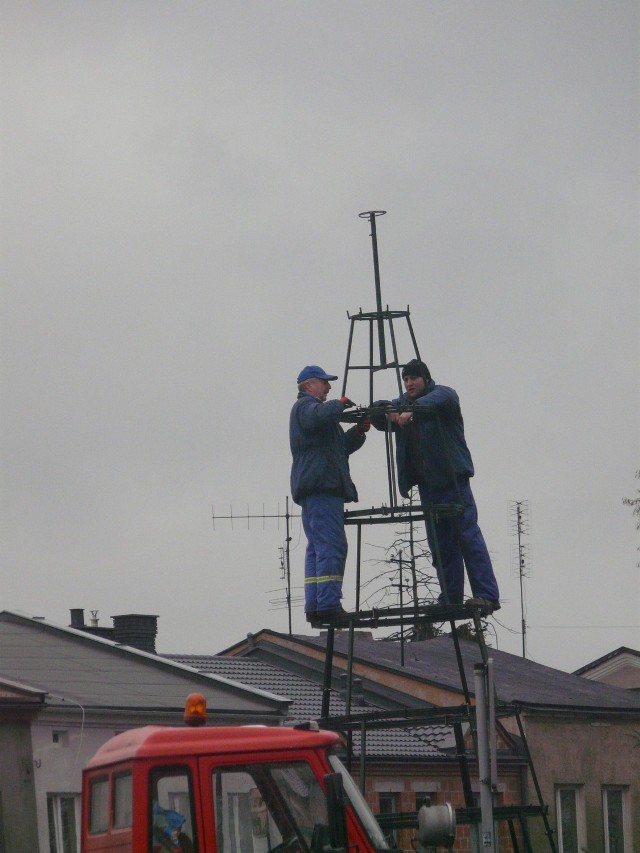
[
  {"x": 55, "y": 821},
  {"x": 580, "y": 822},
  {"x": 623, "y": 790}
]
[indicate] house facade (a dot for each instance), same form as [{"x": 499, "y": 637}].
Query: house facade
[
  {"x": 582, "y": 735},
  {"x": 63, "y": 693}
]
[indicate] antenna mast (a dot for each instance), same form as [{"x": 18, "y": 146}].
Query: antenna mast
[{"x": 521, "y": 527}]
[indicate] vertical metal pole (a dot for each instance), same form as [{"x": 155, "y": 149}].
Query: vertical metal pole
[
  {"x": 328, "y": 662},
  {"x": 358, "y": 559},
  {"x": 349, "y": 669},
  {"x": 486, "y": 799},
  {"x": 401, "y": 608},
  {"x": 370, "y": 362},
  {"x": 363, "y": 755},
  {"x": 493, "y": 754},
  {"x": 371, "y": 216},
  {"x": 461, "y": 755},
  {"x": 288, "y": 565}
]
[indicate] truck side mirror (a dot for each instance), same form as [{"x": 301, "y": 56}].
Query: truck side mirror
[
  {"x": 437, "y": 826},
  {"x": 337, "y": 812}
]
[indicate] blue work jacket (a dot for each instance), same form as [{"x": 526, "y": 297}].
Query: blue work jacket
[
  {"x": 431, "y": 449},
  {"x": 320, "y": 449}
]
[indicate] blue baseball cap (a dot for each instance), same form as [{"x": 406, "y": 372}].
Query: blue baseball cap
[{"x": 312, "y": 371}]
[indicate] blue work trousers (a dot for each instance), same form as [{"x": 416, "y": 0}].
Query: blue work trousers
[
  {"x": 323, "y": 523},
  {"x": 458, "y": 542}
]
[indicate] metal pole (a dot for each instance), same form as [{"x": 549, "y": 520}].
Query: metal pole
[
  {"x": 401, "y": 610},
  {"x": 493, "y": 752},
  {"x": 358, "y": 559},
  {"x": 486, "y": 799},
  {"x": 326, "y": 687},
  {"x": 371, "y": 216},
  {"x": 288, "y": 566}
]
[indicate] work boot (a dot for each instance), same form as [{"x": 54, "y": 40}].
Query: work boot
[
  {"x": 329, "y": 617},
  {"x": 485, "y": 603}
]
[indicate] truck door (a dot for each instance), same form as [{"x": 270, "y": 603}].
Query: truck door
[{"x": 264, "y": 807}]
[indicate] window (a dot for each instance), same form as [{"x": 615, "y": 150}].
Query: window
[
  {"x": 260, "y": 806},
  {"x": 98, "y": 805},
  {"x": 171, "y": 809},
  {"x": 63, "y": 811},
  {"x": 613, "y": 810},
  {"x": 122, "y": 800},
  {"x": 388, "y": 803},
  {"x": 360, "y": 806},
  {"x": 570, "y": 818}
]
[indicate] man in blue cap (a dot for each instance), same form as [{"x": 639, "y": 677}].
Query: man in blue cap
[
  {"x": 432, "y": 454},
  {"x": 321, "y": 484}
]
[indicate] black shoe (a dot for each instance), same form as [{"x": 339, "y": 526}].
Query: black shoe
[
  {"x": 486, "y": 603},
  {"x": 328, "y": 617}
]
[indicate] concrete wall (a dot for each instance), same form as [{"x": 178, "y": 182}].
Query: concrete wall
[
  {"x": 17, "y": 789},
  {"x": 589, "y": 753}
]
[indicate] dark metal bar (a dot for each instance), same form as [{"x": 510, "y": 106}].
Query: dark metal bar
[
  {"x": 536, "y": 785},
  {"x": 349, "y": 671},
  {"x": 396, "y": 360},
  {"x": 358, "y": 564},
  {"x": 371, "y": 216},
  {"x": 328, "y": 663},
  {"x": 371, "y": 369},
  {"x": 288, "y": 564},
  {"x": 346, "y": 366},
  {"x": 363, "y": 756},
  {"x": 461, "y": 755},
  {"x": 514, "y": 837},
  {"x": 428, "y": 613}
]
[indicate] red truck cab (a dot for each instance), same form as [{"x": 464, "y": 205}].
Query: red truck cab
[{"x": 241, "y": 789}]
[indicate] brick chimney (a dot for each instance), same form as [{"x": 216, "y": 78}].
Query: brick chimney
[
  {"x": 77, "y": 617},
  {"x": 136, "y": 630}
]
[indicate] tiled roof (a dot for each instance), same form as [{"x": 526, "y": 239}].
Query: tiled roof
[
  {"x": 416, "y": 743},
  {"x": 517, "y": 679}
]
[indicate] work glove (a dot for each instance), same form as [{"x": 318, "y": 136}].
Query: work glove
[
  {"x": 364, "y": 426},
  {"x": 346, "y": 402}
]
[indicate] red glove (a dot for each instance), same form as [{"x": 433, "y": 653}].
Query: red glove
[
  {"x": 346, "y": 402},
  {"x": 364, "y": 426}
]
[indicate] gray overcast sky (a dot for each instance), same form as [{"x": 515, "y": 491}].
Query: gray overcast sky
[{"x": 181, "y": 183}]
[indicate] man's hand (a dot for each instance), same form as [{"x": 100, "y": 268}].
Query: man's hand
[
  {"x": 347, "y": 403},
  {"x": 403, "y": 419},
  {"x": 363, "y": 426}
]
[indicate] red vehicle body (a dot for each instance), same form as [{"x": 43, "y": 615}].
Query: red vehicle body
[{"x": 241, "y": 789}]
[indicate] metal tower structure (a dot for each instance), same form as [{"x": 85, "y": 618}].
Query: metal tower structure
[{"x": 480, "y": 717}]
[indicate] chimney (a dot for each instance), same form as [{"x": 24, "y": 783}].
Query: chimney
[
  {"x": 136, "y": 630},
  {"x": 77, "y": 617}
]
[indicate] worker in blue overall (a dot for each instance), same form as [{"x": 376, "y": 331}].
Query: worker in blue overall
[
  {"x": 432, "y": 454},
  {"x": 321, "y": 484}
]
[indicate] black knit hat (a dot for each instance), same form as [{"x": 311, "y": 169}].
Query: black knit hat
[{"x": 416, "y": 368}]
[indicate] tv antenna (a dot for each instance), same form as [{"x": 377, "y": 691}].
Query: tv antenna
[
  {"x": 285, "y": 555},
  {"x": 521, "y": 526}
]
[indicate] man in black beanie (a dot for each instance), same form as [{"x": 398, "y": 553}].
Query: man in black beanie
[{"x": 432, "y": 454}]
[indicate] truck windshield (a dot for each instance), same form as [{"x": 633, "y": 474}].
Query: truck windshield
[
  {"x": 269, "y": 808},
  {"x": 360, "y": 806}
]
